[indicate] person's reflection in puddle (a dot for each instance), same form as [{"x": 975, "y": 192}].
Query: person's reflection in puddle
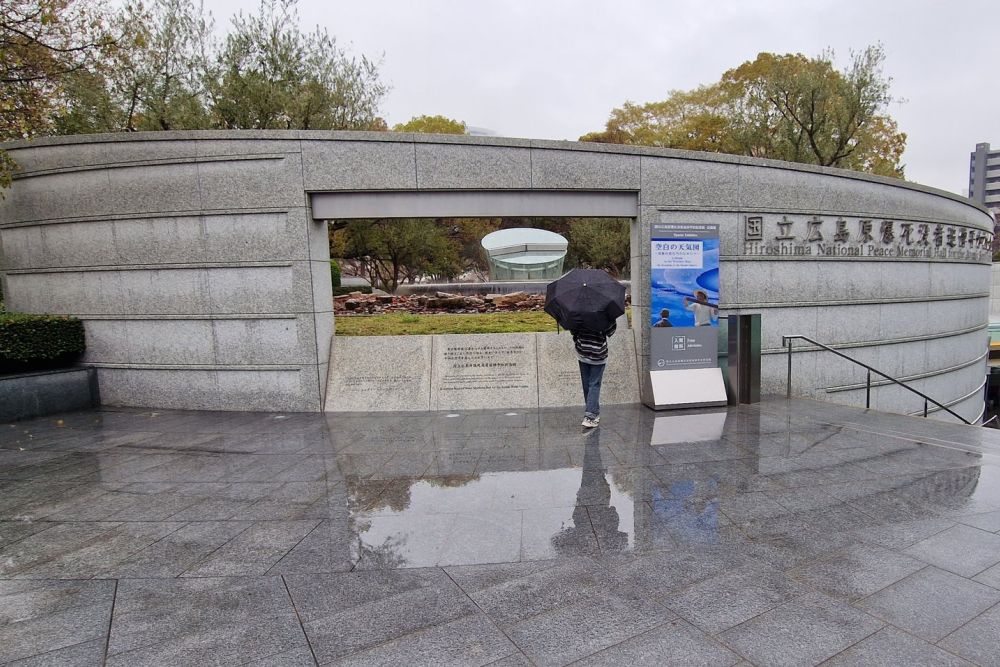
[{"x": 594, "y": 515}]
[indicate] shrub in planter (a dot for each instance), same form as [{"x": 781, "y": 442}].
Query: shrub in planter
[{"x": 37, "y": 342}]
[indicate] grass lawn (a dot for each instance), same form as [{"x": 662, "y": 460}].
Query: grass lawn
[{"x": 402, "y": 324}]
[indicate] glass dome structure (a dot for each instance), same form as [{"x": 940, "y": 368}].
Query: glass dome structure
[{"x": 525, "y": 254}]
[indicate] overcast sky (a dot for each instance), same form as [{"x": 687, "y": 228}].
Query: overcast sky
[{"x": 554, "y": 69}]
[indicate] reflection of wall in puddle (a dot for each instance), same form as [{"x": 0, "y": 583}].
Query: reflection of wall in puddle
[{"x": 509, "y": 490}]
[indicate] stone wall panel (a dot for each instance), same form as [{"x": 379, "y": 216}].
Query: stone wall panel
[{"x": 204, "y": 282}]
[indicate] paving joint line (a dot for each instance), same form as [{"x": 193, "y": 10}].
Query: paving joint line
[{"x": 298, "y": 617}]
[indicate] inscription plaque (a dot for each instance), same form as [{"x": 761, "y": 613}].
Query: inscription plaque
[
  {"x": 481, "y": 371},
  {"x": 379, "y": 374}
]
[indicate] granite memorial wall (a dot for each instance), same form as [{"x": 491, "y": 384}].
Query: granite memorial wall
[
  {"x": 198, "y": 260},
  {"x": 471, "y": 372}
]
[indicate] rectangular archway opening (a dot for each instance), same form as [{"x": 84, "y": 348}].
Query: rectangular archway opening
[{"x": 451, "y": 330}]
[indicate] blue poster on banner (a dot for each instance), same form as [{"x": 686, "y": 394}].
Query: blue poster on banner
[{"x": 684, "y": 296}]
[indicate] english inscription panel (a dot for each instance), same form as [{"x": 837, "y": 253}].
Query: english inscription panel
[{"x": 483, "y": 371}]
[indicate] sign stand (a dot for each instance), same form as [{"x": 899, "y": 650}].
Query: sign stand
[
  {"x": 684, "y": 317},
  {"x": 691, "y": 388}
]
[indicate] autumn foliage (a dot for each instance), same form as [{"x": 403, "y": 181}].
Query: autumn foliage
[{"x": 783, "y": 107}]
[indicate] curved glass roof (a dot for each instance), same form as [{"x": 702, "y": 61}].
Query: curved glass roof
[
  {"x": 525, "y": 242},
  {"x": 531, "y": 258}
]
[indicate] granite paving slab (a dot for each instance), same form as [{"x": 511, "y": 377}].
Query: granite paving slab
[
  {"x": 990, "y": 577},
  {"x": 254, "y": 550},
  {"x": 49, "y": 621},
  {"x": 899, "y": 535},
  {"x": 891, "y": 646},
  {"x": 467, "y": 641},
  {"x": 930, "y": 603},
  {"x": 805, "y": 631},
  {"x": 529, "y": 592},
  {"x": 989, "y": 521},
  {"x": 78, "y": 655},
  {"x": 661, "y": 573},
  {"x": 796, "y": 534},
  {"x": 346, "y": 614},
  {"x": 674, "y": 643},
  {"x": 586, "y": 626},
  {"x": 961, "y": 549},
  {"x": 728, "y": 599},
  {"x": 176, "y": 552},
  {"x": 978, "y": 639},
  {"x": 15, "y": 531},
  {"x": 214, "y": 620},
  {"x": 857, "y": 571},
  {"x": 79, "y": 550}
]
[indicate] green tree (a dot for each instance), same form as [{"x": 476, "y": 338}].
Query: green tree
[
  {"x": 432, "y": 125},
  {"x": 784, "y": 107},
  {"x": 392, "y": 251},
  {"x": 600, "y": 243},
  {"x": 692, "y": 120},
  {"x": 441, "y": 259},
  {"x": 153, "y": 80},
  {"x": 41, "y": 43},
  {"x": 467, "y": 234},
  {"x": 270, "y": 75},
  {"x": 170, "y": 70}
]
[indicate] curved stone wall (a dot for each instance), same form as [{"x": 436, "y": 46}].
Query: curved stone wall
[{"x": 195, "y": 261}]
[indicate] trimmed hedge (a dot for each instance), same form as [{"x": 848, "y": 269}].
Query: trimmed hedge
[
  {"x": 335, "y": 273},
  {"x": 347, "y": 289},
  {"x": 36, "y": 342}
]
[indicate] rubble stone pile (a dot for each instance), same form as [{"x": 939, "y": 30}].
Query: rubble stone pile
[{"x": 356, "y": 303}]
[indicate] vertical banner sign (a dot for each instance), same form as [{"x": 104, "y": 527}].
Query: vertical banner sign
[{"x": 684, "y": 296}]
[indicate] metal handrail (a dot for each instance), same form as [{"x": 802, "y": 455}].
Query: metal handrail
[{"x": 786, "y": 341}]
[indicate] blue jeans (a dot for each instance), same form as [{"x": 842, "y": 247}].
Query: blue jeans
[{"x": 591, "y": 375}]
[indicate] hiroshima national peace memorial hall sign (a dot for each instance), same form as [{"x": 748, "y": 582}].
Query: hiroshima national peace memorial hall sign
[{"x": 860, "y": 237}]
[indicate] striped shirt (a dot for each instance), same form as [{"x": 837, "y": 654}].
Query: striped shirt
[{"x": 592, "y": 346}]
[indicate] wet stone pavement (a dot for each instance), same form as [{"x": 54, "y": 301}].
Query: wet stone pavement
[{"x": 788, "y": 533}]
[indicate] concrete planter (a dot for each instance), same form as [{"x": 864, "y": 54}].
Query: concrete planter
[{"x": 27, "y": 395}]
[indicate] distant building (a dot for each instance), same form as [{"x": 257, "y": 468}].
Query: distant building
[
  {"x": 984, "y": 178},
  {"x": 984, "y": 185},
  {"x": 473, "y": 131}
]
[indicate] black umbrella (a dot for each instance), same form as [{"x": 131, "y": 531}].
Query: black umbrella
[{"x": 585, "y": 299}]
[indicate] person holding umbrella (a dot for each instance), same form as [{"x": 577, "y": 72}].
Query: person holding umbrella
[
  {"x": 592, "y": 353},
  {"x": 587, "y": 302}
]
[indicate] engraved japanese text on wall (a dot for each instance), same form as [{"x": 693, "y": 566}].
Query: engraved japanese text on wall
[
  {"x": 470, "y": 367},
  {"x": 864, "y": 238}
]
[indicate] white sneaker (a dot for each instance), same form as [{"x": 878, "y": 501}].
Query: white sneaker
[{"x": 590, "y": 422}]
